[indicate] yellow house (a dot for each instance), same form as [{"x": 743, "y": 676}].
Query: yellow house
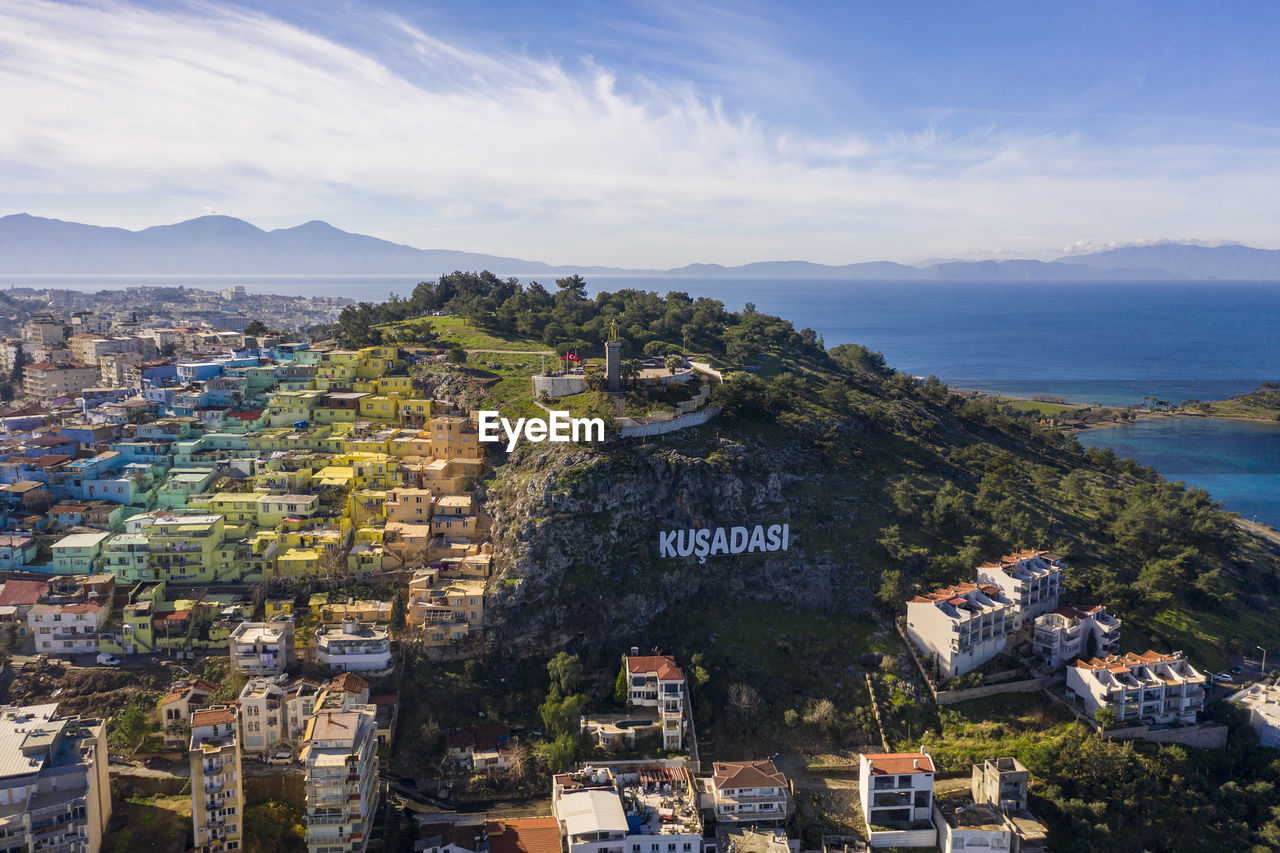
[
  {"x": 275, "y": 607},
  {"x": 366, "y": 506}
]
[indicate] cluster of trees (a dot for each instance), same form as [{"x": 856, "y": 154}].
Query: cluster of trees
[
  {"x": 1114, "y": 795},
  {"x": 566, "y": 318},
  {"x": 561, "y": 711}
]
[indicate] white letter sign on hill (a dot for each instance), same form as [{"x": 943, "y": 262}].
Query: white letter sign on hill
[
  {"x": 561, "y": 428},
  {"x": 707, "y": 542}
]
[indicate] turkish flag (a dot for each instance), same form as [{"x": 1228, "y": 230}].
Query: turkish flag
[{"x": 573, "y": 356}]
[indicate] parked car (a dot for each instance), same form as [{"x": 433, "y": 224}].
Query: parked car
[
  {"x": 1236, "y": 670},
  {"x": 283, "y": 756},
  {"x": 108, "y": 660},
  {"x": 1224, "y": 676}
]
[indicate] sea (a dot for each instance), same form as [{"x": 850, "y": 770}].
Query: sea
[{"x": 1109, "y": 343}]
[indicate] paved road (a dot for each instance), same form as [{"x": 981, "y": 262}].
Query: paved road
[{"x": 1259, "y": 530}]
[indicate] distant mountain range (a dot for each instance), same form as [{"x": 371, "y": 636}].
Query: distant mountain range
[{"x": 224, "y": 245}]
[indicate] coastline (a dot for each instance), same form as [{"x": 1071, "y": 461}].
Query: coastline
[{"x": 1065, "y": 411}]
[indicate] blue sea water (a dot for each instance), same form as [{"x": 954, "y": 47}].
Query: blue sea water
[
  {"x": 1090, "y": 342},
  {"x": 1238, "y": 462}
]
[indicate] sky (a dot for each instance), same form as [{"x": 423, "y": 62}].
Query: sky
[{"x": 655, "y": 134}]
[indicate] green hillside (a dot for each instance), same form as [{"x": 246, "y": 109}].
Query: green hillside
[{"x": 889, "y": 486}]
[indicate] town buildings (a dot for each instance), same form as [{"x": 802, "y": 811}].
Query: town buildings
[
  {"x": 262, "y": 648},
  {"x": 962, "y": 626},
  {"x": 1262, "y": 702},
  {"x": 340, "y": 755},
  {"x": 1151, "y": 687},
  {"x": 1030, "y": 579},
  {"x": 655, "y": 682},
  {"x": 637, "y": 808},
  {"x": 217, "y": 780},
  {"x": 1067, "y": 633},
  {"x": 353, "y": 646},
  {"x": 896, "y": 793},
  {"x": 749, "y": 792},
  {"x": 54, "y": 789},
  {"x": 176, "y": 707}
]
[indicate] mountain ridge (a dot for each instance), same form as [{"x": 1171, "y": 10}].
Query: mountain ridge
[{"x": 225, "y": 245}]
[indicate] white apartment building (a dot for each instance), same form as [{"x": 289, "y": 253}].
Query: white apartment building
[
  {"x": 1150, "y": 688},
  {"x": 67, "y": 629},
  {"x": 654, "y": 681},
  {"x": 749, "y": 792},
  {"x": 54, "y": 790},
  {"x": 896, "y": 792},
  {"x": 262, "y": 715},
  {"x": 353, "y": 646},
  {"x": 340, "y": 754},
  {"x": 217, "y": 781},
  {"x": 1030, "y": 579},
  {"x": 963, "y": 626},
  {"x": 1064, "y": 634},
  {"x": 262, "y": 648},
  {"x": 647, "y": 808},
  {"x": 1262, "y": 701}
]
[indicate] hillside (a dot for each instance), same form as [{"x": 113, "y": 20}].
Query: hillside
[{"x": 888, "y": 486}]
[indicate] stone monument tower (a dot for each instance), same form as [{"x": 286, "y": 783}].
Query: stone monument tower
[{"x": 613, "y": 359}]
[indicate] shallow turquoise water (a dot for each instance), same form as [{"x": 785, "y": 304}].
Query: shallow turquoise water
[{"x": 1237, "y": 461}]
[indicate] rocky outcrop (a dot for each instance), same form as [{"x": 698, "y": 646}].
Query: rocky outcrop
[{"x": 576, "y": 535}]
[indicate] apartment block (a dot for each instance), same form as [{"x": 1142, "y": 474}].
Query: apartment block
[
  {"x": 47, "y": 380},
  {"x": 54, "y": 790},
  {"x": 963, "y": 626},
  {"x": 261, "y": 710},
  {"x": 262, "y": 648},
  {"x": 353, "y": 646},
  {"x": 340, "y": 754},
  {"x": 1030, "y": 579},
  {"x": 217, "y": 781},
  {"x": 1146, "y": 688},
  {"x": 1067, "y": 633},
  {"x": 896, "y": 792}
]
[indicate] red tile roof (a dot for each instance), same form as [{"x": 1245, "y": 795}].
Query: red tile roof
[
  {"x": 524, "y": 835},
  {"x": 210, "y": 716},
  {"x": 1117, "y": 663},
  {"x": 899, "y": 763},
  {"x": 22, "y": 592},
  {"x": 748, "y": 774},
  {"x": 349, "y": 682},
  {"x": 960, "y": 589},
  {"x": 663, "y": 665}
]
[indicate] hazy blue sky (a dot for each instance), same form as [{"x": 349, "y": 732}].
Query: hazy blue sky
[{"x": 655, "y": 133}]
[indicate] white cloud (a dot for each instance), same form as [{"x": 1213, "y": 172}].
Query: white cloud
[
  {"x": 169, "y": 112},
  {"x": 1084, "y": 247}
]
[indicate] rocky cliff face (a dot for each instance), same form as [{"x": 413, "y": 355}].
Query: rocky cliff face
[{"x": 576, "y": 532}]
